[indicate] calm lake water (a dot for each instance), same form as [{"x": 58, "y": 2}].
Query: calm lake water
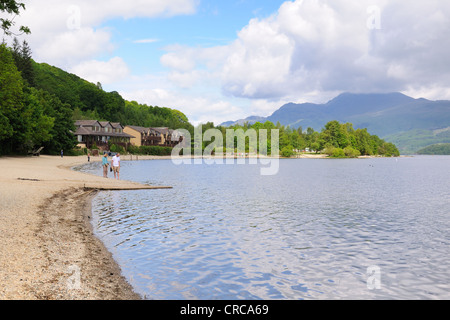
[{"x": 319, "y": 229}]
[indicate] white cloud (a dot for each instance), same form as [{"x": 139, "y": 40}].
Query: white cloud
[
  {"x": 68, "y": 48},
  {"x": 105, "y": 72},
  {"x": 66, "y": 32},
  {"x": 99, "y": 10},
  {"x": 331, "y": 46},
  {"x": 146, "y": 41},
  {"x": 178, "y": 62},
  {"x": 259, "y": 63},
  {"x": 50, "y": 13},
  {"x": 199, "y": 109}
]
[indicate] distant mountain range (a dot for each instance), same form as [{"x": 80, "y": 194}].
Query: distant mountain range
[{"x": 409, "y": 123}]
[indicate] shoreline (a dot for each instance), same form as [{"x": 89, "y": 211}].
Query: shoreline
[
  {"x": 79, "y": 265},
  {"x": 300, "y": 156},
  {"x": 49, "y": 251}
]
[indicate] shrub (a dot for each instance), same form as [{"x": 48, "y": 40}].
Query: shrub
[
  {"x": 338, "y": 153},
  {"x": 150, "y": 150},
  {"x": 351, "y": 152},
  {"x": 329, "y": 150},
  {"x": 287, "y": 151},
  {"x": 116, "y": 148}
]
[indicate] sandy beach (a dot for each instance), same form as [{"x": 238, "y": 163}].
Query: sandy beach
[{"x": 48, "y": 250}]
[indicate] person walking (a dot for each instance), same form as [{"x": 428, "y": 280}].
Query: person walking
[
  {"x": 116, "y": 166},
  {"x": 105, "y": 165}
]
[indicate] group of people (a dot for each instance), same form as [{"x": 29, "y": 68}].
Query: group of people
[{"x": 115, "y": 165}]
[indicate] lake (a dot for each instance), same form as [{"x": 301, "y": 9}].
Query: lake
[{"x": 318, "y": 229}]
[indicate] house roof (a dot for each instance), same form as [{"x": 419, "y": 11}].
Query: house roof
[
  {"x": 84, "y": 128},
  {"x": 152, "y": 130},
  {"x": 86, "y": 122},
  {"x": 87, "y": 132},
  {"x": 105, "y": 123},
  {"x": 94, "y": 122},
  {"x": 137, "y": 128},
  {"x": 162, "y": 130},
  {"x": 83, "y": 131},
  {"x": 116, "y": 125},
  {"x": 175, "y": 135}
]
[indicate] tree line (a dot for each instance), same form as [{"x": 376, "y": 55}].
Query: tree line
[
  {"x": 335, "y": 139},
  {"x": 29, "y": 116}
]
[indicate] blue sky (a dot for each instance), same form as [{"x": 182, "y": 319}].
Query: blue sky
[
  {"x": 226, "y": 60},
  {"x": 214, "y": 23}
]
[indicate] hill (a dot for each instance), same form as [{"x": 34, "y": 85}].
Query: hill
[
  {"x": 39, "y": 103},
  {"x": 409, "y": 123},
  {"x": 436, "y": 149},
  {"x": 90, "y": 101}
]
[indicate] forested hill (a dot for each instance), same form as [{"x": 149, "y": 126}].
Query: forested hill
[
  {"x": 39, "y": 102},
  {"x": 90, "y": 101}
]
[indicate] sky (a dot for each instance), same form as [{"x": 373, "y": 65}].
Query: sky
[{"x": 218, "y": 60}]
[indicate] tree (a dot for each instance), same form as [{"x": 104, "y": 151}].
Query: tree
[
  {"x": 27, "y": 67},
  {"x": 12, "y": 116},
  {"x": 11, "y": 7},
  {"x": 389, "y": 149},
  {"x": 315, "y": 146},
  {"x": 335, "y": 134},
  {"x": 23, "y": 60},
  {"x": 363, "y": 142},
  {"x": 40, "y": 123},
  {"x": 311, "y": 137},
  {"x": 62, "y": 130}
]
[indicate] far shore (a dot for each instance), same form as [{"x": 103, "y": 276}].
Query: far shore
[{"x": 132, "y": 157}]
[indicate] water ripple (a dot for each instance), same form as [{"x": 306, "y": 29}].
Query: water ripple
[{"x": 310, "y": 232}]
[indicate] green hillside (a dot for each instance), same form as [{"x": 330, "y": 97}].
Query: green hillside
[
  {"x": 39, "y": 103},
  {"x": 436, "y": 149},
  {"x": 412, "y": 141},
  {"x": 88, "y": 100}
]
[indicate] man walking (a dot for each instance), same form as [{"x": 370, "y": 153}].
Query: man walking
[{"x": 116, "y": 165}]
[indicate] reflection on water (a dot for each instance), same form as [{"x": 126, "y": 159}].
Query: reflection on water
[{"x": 309, "y": 232}]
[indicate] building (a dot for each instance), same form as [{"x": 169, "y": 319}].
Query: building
[
  {"x": 100, "y": 133},
  {"x": 144, "y": 136}
]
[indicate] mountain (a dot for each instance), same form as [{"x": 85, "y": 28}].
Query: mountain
[
  {"x": 409, "y": 123},
  {"x": 251, "y": 120}
]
